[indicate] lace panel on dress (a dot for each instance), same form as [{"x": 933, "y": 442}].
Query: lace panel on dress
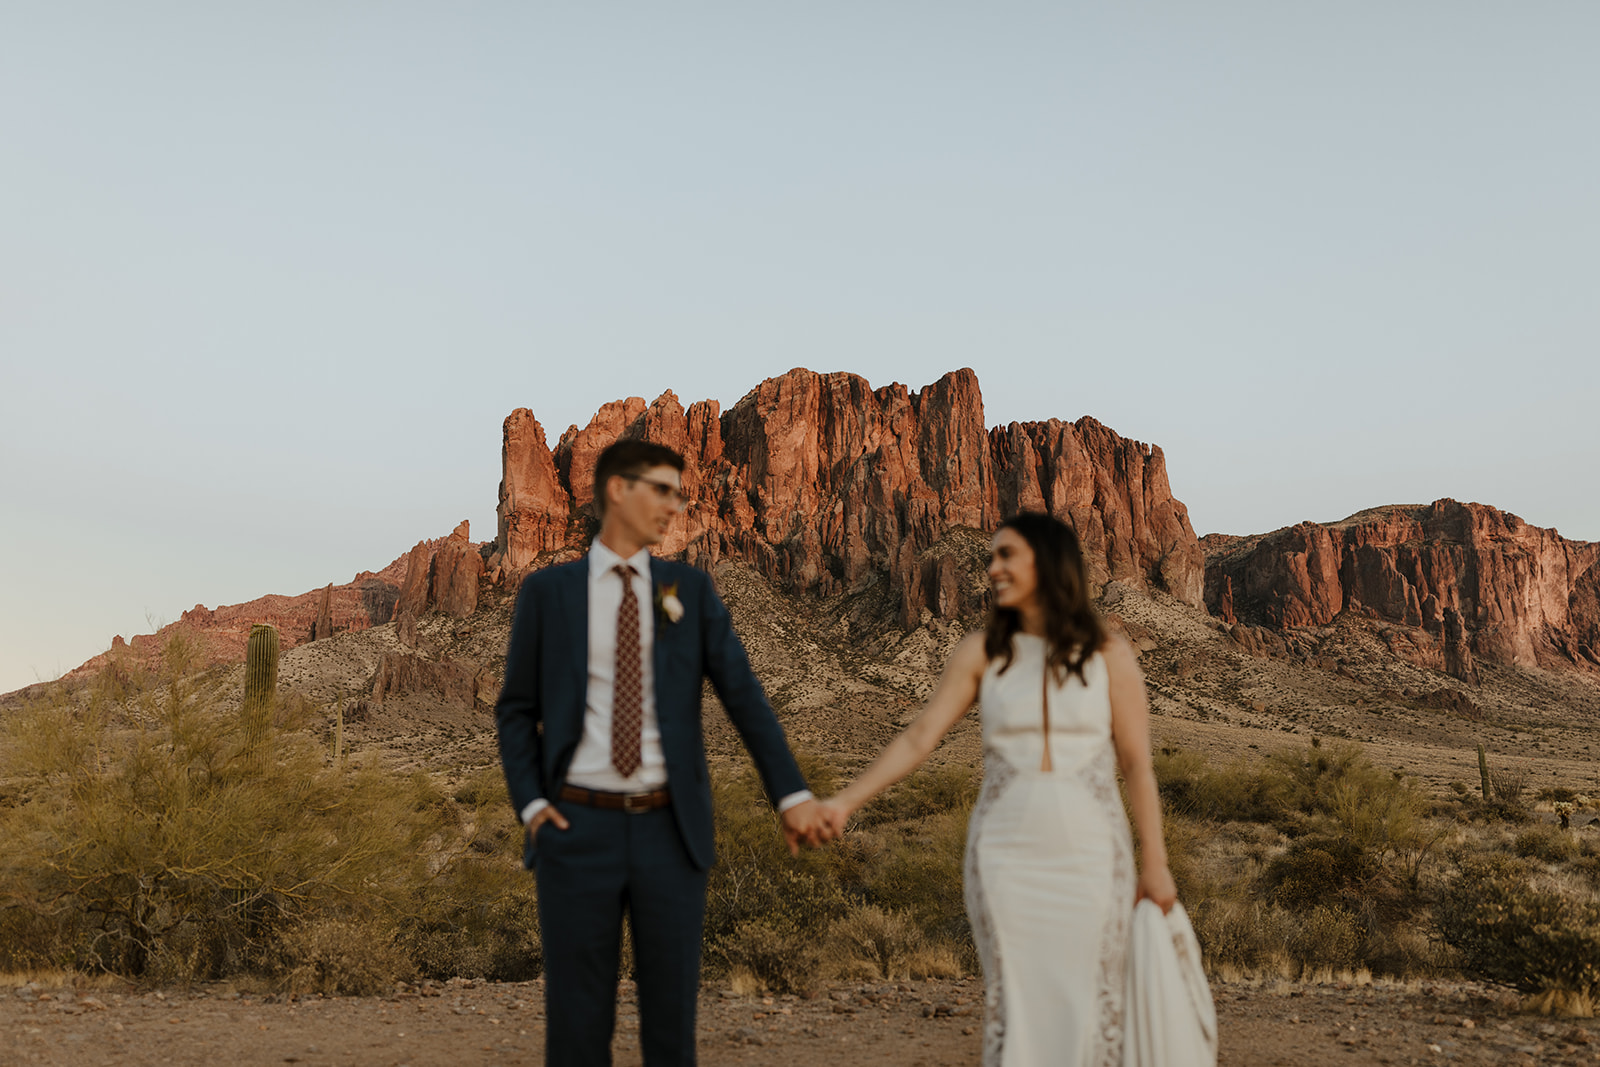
[
  {"x": 1101, "y": 780},
  {"x": 997, "y": 774}
]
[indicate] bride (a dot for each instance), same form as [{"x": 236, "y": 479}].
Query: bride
[{"x": 1050, "y": 884}]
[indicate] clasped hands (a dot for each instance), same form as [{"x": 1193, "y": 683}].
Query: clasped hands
[{"x": 813, "y": 823}]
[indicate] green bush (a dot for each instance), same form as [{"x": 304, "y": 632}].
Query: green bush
[
  {"x": 929, "y": 791},
  {"x": 756, "y": 883},
  {"x": 1317, "y": 871},
  {"x": 154, "y": 846},
  {"x": 1193, "y": 785},
  {"x": 919, "y": 872},
  {"x": 1337, "y": 781},
  {"x": 1549, "y": 843},
  {"x": 1510, "y": 931}
]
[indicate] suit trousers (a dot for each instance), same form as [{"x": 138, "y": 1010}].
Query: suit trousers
[{"x": 605, "y": 865}]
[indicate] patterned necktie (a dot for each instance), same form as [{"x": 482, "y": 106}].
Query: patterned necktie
[{"x": 627, "y": 708}]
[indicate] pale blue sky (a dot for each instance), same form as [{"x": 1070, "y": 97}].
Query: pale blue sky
[{"x": 272, "y": 275}]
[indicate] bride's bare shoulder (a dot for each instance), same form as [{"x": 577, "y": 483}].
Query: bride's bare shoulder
[
  {"x": 1119, "y": 655},
  {"x": 970, "y": 654}
]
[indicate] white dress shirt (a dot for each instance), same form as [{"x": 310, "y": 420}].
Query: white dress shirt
[
  {"x": 591, "y": 766},
  {"x": 591, "y": 763}
]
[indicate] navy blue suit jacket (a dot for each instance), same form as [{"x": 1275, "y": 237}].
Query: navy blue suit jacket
[{"x": 540, "y": 711}]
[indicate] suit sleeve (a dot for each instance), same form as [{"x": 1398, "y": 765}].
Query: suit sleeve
[
  {"x": 728, "y": 667},
  {"x": 518, "y": 713}
]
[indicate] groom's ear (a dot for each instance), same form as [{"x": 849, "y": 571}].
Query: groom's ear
[{"x": 602, "y": 498}]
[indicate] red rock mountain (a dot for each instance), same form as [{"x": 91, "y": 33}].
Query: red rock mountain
[
  {"x": 827, "y": 485},
  {"x": 819, "y": 481},
  {"x": 1466, "y": 581},
  {"x": 219, "y": 634}
]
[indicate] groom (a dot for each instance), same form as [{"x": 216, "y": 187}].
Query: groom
[{"x": 600, "y": 737}]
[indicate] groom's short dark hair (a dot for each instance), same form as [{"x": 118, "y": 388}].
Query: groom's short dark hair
[{"x": 629, "y": 457}]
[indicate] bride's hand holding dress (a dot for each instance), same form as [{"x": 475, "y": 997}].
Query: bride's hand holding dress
[{"x": 1156, "y": 885}]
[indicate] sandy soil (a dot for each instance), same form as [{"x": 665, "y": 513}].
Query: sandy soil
[{"x": 908, "y": 1024}]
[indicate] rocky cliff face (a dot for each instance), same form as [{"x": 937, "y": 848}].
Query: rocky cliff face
[
  {"x": 822, "y": 483},
  {"x": 219, "y": 634},
  {"x": 1470, "y": 583},
  {"x": 827, "y": 485}
]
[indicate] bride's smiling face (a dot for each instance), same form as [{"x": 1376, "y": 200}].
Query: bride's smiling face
[{"x": 1012, "y": 573}]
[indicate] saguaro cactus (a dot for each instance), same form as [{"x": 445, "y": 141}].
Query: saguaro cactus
[
  {"x": 260, "y": 683},
  {"x": 1483, "y": 771}
]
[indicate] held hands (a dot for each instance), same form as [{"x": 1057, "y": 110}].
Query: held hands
[
  {"x": 802, "y": 825},
  {"x": 815, "y": 822},
  {"x": 834, "y": 813}
]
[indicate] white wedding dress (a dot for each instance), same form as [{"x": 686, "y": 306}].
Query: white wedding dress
[{"x": 1049, "y": 869}]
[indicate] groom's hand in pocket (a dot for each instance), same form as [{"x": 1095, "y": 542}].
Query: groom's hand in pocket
[{"x": 548, "y": 813}]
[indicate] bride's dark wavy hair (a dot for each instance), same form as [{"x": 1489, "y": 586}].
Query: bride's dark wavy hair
[{"x": 1072, "y": 628}]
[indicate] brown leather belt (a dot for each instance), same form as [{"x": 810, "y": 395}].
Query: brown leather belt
[{"x": 632, "y": 803}]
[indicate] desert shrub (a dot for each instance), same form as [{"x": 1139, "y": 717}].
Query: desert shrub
[
  {"x": 1241, "y": 932},
  {"x": 1325, "y": 781},
  {"x": 152, "y": 846},
  {"x": 1379, "y": 814},
  {"x": 756, "y": 883},
  {"x": 920, "y": 874},
  {"x": 1511, "y": 931},
  {"x": 1508, "y": 784},
  {"x": 1549, "y": 843},
  {"x": 1315, "y": 871},
  {"x": 1406, "y": 949},
  {"x": 939, "y": 959},
  {"x": 820, "y": 772},
  {"x": 334, "y": 957},
  {"x": 1185, "y": 839},
  {"x": 1326, "y": 937},
  {"x": 484, "y": 789},
  {"x": 783, "y": 961},
  {"x": 478, "y": 919},
  {"x": 930, "y": 791},
  {"x": 885, "y": 940},
  {"x": 1195, "y": 786},
  {"x": 1501, "y": 811}
]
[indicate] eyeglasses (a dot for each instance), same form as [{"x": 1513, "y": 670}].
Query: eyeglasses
[{"x": 664, "y": 490}]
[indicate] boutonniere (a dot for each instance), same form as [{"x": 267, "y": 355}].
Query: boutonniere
[{"x": 667, "y": 602}]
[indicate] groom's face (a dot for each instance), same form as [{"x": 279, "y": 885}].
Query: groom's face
[{"x": 643, "y": 504}]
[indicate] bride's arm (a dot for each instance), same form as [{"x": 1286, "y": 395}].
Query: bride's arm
[
  {"x": 958, "y": 688},
  {"x": 1130, "y": 732}
]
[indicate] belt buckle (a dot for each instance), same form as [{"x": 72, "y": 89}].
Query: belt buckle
[{"x": 636, "y": 803}]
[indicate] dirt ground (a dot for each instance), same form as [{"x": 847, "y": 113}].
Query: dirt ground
[{"x": 463, "y": 1023}]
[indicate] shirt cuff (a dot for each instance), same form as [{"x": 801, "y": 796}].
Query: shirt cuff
[
  {"x": 789, "y": 801},
  {"x": 534, "y": 807}
]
